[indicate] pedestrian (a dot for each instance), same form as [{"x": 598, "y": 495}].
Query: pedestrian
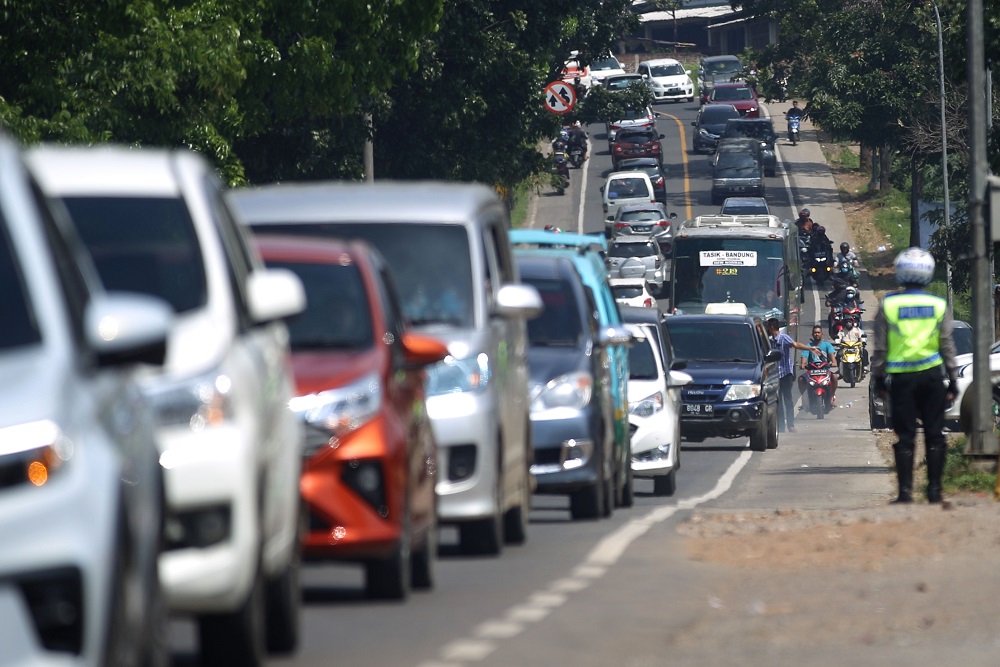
[
  {"x": 786, "y": 373},
  {"x": 913, "y": 354}
]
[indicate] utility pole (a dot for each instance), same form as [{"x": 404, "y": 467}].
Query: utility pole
[
  {"x": 369, "y": 150},
  {"x": 981, "y": 440},
  {"x": 944, "y": 150}
]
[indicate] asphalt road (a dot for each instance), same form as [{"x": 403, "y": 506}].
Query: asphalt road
[{"x": 610, "y": 591}]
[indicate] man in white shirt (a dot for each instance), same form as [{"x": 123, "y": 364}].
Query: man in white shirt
[{"x": 853, "y": 334}]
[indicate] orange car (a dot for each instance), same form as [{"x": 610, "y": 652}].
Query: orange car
[{"x": 368, "y": 469}]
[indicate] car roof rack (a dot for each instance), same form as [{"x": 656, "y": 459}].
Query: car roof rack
[{"x": 735, "y": 221}]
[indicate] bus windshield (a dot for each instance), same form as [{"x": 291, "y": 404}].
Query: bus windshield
[{"x": 734, "y": 270}]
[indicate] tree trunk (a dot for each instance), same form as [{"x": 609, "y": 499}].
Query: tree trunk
[
  {"x": 873, "y": 184},
  {"x": 866, "y": 158},
  {"x": 916, "y": 196},
  {"x": 885, "y": 154}
]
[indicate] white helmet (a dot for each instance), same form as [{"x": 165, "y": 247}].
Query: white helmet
[{"x": 914, "y": 266}]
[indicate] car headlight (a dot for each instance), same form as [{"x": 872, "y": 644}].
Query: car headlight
[
  {"x": 742, "y": 392},
  {"x": 200, "y": 402},
  {"x": 706, "y": 134},
  {"x": 32, "y": 453},
  {"x": 572, "y": 390},
  {"x": 648, "y": 406},
  {"x": 751, "y": 109},
  {"x": 343, "y": 409},
  {"x": 452, "y": 376}
]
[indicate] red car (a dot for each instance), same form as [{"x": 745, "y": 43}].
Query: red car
[
  {"x": 640, "y": 142},
  {"x": 740, "y": 95},
  {"x": 368, "y": 470}
]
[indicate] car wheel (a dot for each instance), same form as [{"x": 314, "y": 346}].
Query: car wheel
[
  {"x": 283, "y": 599},
  {"x": 124, "y": 645},
  {"x": 484, "y": 537},
  {"x": 422, "y": 559},
  {"x": 236, "y": 638},
  {"x": 758, "y": 437},
  {"x": 389, "y": 578},
  {"x": 772, "y": 432},
  {"x": 515, "y": 520},
  {"x": 628, "y": 489},
  {"x": 771, "y": 172},
  {"x": 588, "y": 503},
  {"x": 665, "y": 485}
]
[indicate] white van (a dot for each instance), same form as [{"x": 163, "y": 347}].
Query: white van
[
  {"x": 623, "y": 188},
  {"x": 667, "y": 80}
]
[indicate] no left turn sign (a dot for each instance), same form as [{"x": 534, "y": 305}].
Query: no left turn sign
[{"x": 560, "y": 97}]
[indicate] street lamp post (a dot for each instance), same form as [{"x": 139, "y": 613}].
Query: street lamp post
[{"x": 944, "y": 146}]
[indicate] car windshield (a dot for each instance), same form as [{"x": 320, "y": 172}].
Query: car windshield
[
  {"x": 642, "y": 361},
  {"x": 431, "y": 291},
  {"x": 627, "y": 188},
  {"x": 636, "y": 137},
  {"x": 337, "y": 313},
  {"x": 718, "y": 114},
  {"x": 963, "y": 339},
  {"x": 730, "y": 161},
  {"x": 744, "y": 209},
  {"x": 621, "y": 83},
  {"x": 650, "y": 215},
  {"x": 605, "y": 64},
  {"x": 722, "y": 67},
  {"x": 559, "y": 324},
  {"x": 728, "y": 270},
  {"x": 751, "y": 130},
  {"x": 729, "y": 94},
  {"x": 625, "y": 250},
  {"x": 143, "y": 244},
  {"x": 635, "y": 114},
  {"x": 19, "y": 324},
  {"x": 712, "y": 341},
  {"x": 626, "y": 291},
  {"x": 667, "y": 70}
]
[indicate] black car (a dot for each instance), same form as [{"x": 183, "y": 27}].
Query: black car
[
  {"x": 710, "y": 125},
  {"x": 653, "y": 169},
  {"x": 572, "y": 411},
  {"x": 737, "y": 173},
  {"x": 735, "y": 372},
  {"x": 760, "y": 130}
]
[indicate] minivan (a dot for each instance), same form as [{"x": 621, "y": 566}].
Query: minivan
[{"x": 447, "y": 250}]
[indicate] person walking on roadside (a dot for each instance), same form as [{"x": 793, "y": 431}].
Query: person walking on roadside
[
  {"x": 913, "y": 353},
  {"x": 786, "y": 373}
]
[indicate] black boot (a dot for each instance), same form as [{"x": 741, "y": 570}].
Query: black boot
[
  {"x": 935, "y": 469},
  {"x": 904, "y": 474}
]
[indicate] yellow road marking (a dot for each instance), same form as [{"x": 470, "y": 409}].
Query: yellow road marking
[{"x": 684, "y": 161}]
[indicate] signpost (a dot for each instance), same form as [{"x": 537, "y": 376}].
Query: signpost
[{"x": 560, "y": 97}]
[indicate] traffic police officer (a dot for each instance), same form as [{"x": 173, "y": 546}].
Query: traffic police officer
[{"x": 912, "y": 357}]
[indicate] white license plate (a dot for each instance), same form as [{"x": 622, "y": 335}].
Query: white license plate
[{"x": 698, "y": 409}]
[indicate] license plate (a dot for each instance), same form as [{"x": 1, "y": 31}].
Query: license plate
[
  {"x": 641, "y": 228},
  {"x": 698, "y": 409}
]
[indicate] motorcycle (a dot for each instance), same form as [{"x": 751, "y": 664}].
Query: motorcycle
[
  {"x": 793, "y": 129},
  {"x": 820, "y": 264},
  {"x": 576, "y": 156},
  {"x": 836, "y": 319},
  {"x": 847, "y": 272},
  {"x": 851, "y": 368},
  {"x": 819, "y": 381},
  {"x": 560, "y": 169}
]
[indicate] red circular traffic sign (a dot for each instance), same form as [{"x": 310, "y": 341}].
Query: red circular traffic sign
[{"x": 560, "y": 97}]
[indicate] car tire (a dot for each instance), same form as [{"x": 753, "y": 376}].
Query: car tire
[
  {"x": 422, "y": 559},
  {"x": 628, "y": 487},
  {"x": 389, "y": 578},
  {"x": 665, "y": 485},
  {"x": 283, "y": 602},
  {"x": 515, "y": 520},
  {"x": 124, "y": 646},
  {"x": 771, "y": 172},
  {"x": 485, "y": 536},
  {"x": 588, "y": 503},
  {"x": 758, "y": 437},
  {"x": 772, "y": 432},
  {"x": 236, "y": 638}
]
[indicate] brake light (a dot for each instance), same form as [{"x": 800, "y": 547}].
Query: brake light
[
  {"x": 621, "y": 225},
  {"x": 666, "y": 248},
  {"x": 648, "y": 303},
  {"x": 663, "y": 223},
  {"x": 658, "y": 181}
]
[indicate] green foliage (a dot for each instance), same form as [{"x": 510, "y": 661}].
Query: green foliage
[
  {"x": 961, "y": 472},
  {"x": 602, "y": 105}
]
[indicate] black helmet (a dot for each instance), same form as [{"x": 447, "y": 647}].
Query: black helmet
[
  {"x": 804, "y": 213},
  {"x": 845, "y": 247}
]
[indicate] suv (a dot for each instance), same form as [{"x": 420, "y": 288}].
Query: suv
[
  {"x": 620, "y": 82},
  {"x": 653, "y": 169},
  {"x": 477, "y": 397},
  {"x": 645, "y": 220},
  {"x": 734, "y": 388},
  {"x": 638, "y": 257},
  {"x": 740, "y": 95},
  {"x": 760, "y": 130},
  {"x": 737, "y": 173},
  {"x": 81, "y": 503},
  {"x": 745, "y": 206},
  {"x": 717, "y": 69},
  {"x": 622, "y": 188},
  {"x": 603, "y": 68},
  {"x": 710, "y": 124},
  {"x": 572, "y": 418},
  {"x": 633, "y": 143},
  {"x": 667, "y": 80},
  {"x": 155, "y": 222},
  {"x": 359, "y": 380},
  {"x": 633, "y": 119}
]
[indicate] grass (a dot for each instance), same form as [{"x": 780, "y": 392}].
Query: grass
[
  {"x": 522, "y": 195},
  {"x": 962, "y": 473}
]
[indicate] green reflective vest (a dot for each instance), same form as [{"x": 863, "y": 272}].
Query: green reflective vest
[{"x": 914, "y": 320}]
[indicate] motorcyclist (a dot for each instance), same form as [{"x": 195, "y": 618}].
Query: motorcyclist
[
  {"x": 804, "y": 223},
  {"x": 578, "y": 137},
  {"x": 852, "y": 334},
  {"x": 820, "y": 241},
  {"x": 561, "y": 143},
  {"x": 836, "y": 297},
  {"x": 579, "y": 89},
  {"x": 795, "y": 111},
  {"x": 846, "y": 262},
  {"x": 820, "y": 348}
]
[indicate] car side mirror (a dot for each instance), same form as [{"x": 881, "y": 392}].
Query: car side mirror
[
  {"x": 420, "y": 350},
  {"x": 673, "y": 216},
  {"x": 602, "y": 189},
  {"x": 518, "y": 301},
  {"x": 694, "y": 123},
  {"x": 662, "y": 136},
  {"x": 772, "y": 356},
  {"x": 678, "y": 379},
  {"x": 678, "y": 364}
]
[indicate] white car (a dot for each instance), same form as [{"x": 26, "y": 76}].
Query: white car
[
  {"x": 654, "y": 402},
  {"x": 667, "y": 80},
  {"x": 573, "y": 70},
  {"x": 964, "y": 364},
  {"x": 602, "y": 68},
  {"x": 622, "y": 188},
  {"x": 156, "y": 222},
  {"x": 81, "y": 502},
  {"x": 632, "y": 292},
  {"x": 634, "y": 118}
]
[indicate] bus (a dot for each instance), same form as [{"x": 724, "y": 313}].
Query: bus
[{"x": 738, "y": 264}]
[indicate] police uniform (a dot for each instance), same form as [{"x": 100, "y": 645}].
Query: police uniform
[{"x": 913, "y": 356}]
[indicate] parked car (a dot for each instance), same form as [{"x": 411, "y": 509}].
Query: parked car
[
  {"x": 635, "y": 143},
  {"x": 622, "y": 188},
  {"x": 638, "y": 257},
  {"x": 477, "y": 398},
  {"x": 717, "y": 69},
  {"x": 632, "y": 292},
  {"x": 634, "y": 119},
  {"x": 667, "y": 79},
  {"x": 653, "y": 169},
  {"x": 745, "y": 206},
  {"x": 737, "y": 173},
  {"x": 81, "y": 489},
  {"x": 654, "y": 401},
  {"x": 572, "y": 407},
  {"x": 587, "y": 252},
  {"x": 618, "y": 82},
  {"x": 760, "y": 130},
  {"x": 644, "y": 220},
  {"x": 604, "y": 67},
  {"x": 359, "y": 382},
  {"x": 710, "y": 124},
  {"x": 734, "y": 390},
  {"x": 740, "y": 95},
  {"x": 155, "y": 222}
]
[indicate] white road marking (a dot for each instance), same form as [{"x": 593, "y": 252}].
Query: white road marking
[
  {"x": 540, "y": 603},
  {"x": 583, "y": 187}
]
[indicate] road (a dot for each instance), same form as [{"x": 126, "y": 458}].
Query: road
[{"x": 611, "y": 591}]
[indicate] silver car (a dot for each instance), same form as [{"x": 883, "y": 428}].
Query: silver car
[
  {"x": 81, "y": 487},
  {"x": 638, "y": 257}
]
